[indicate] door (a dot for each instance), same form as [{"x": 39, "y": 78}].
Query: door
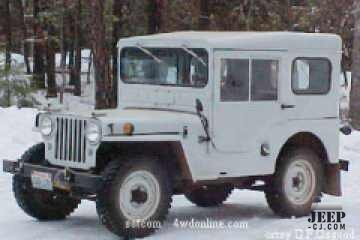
[{"x": 247, "y": 99}]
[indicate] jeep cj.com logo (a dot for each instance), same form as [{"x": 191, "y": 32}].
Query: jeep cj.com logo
[{"x": 327, "y": 220}]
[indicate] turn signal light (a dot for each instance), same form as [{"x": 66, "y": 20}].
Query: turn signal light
[{"x": 128, "y": 129}]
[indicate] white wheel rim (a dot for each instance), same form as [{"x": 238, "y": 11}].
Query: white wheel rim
[
  {"x": 300, "y": 182},
  {"x": 139, "y": 196}
]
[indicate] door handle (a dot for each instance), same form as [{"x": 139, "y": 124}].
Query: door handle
[{"x": 287, "y": 106}]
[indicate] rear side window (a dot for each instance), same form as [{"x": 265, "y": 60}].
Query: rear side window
[{"x": 311, "y": 76}]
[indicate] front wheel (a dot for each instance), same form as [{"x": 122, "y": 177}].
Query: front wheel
[
  {"x": 135, "y": 199},
  {"x": 296, "y": 184},
  {"x": 40, "y": 204}
]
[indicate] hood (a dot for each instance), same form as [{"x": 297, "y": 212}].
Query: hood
[{"x": 145, "y": 121}]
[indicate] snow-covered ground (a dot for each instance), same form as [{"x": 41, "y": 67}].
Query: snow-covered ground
[{"x": 245, "y": 207}]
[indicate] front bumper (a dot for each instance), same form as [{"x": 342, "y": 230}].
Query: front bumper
[{"x": 62, "y": 179}]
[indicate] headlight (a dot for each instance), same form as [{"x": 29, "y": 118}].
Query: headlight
[
  {"x": 46, "y": 126},
  {"x": 93, "y": 132}
]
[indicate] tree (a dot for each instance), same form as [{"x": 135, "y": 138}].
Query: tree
[
  {"x": 70, "y": 36},
  {"x": 8, "y": 30},
  {"x": 117, "y": 8},
  {"x": 154, "y": 14},
  {"x": 77, "y": 43},
  {"x": 335, "y": 16},
  {"x": 204, "y": 16},
  {"x": 8, "y": 49},
  {"x": 181, "y": 15},
  {"x": 18, "y": 4},
  {"x": 50, "y": 58},
  {"x": 244, "y": 15},
  {"x": 103, "y": 92},
  {"x": 38, "y": 73},
  {"x": 355, "y": 79}
]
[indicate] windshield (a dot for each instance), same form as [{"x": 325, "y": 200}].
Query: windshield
[{"x": 176, "y": 68}]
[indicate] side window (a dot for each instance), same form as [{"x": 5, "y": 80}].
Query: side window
[
  {"x": 234, "y": 80},
  {"x": 264, "y": 83},
  {"x": 311, "y": 76}
]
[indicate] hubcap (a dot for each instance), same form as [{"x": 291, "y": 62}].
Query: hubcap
[
  {"x": 300, "y": 182},
  {"x": 139, "y": 196}
]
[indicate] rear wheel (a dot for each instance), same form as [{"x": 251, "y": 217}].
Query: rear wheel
[
  {"x": 40, "y": 204},
  {"x": 296, "y": 184},
  {"x": 209, "y": 196},
  {"x": 135, "y": 199}
]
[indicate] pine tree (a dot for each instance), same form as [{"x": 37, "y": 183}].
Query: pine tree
[
  {"x": 204, "y": 17},
  {"x": 18, "y": 4},
  {"x": 39, "y": 66},
  {"x": 355, "y": 79},
  {"x": 117, "y": 8},
  {"x": 103, "y": 92},
  {"x": 155, "y": 15},
  {"x": 8, "y": 33},
  {"x": 77, "y": 44}
]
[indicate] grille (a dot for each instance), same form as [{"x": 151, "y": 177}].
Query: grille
[{"x": 70, "y": 143}]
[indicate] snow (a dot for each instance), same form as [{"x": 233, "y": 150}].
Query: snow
[
  {"x": 85, "y": 59},
  {"x": 243, "y": 206},
  {"x": 15, "y": 58}
]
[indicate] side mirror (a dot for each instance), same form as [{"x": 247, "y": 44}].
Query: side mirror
[
  {"x": 199, "y": 106},
  {"x": 346, "y": 130}
]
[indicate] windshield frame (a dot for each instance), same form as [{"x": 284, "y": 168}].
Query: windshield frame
[{"x": 124, "y": 49}]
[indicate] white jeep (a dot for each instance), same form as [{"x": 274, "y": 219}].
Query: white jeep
[{"x": 199, "y": 114}]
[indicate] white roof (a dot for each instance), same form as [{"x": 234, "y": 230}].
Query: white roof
[{"x": 241, "y": 40}]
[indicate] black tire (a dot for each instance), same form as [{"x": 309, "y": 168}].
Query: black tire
[
  {"x": 279, "y": 201},
  {"x": 40, "y": 204},
  {"x": 108, "y": 200},
  {"x": 209, "y": 196}
]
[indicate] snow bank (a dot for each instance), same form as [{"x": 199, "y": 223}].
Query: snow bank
[{"x": 15, "y": 131}]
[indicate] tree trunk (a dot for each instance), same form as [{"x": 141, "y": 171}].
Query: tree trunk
[
  {"x": 117, "y": 30},
  {"x": 50, "y": 60},
  {"x": 151, "y": 9},
  {"x": 103, "y": 94},
  {"x": 38, "y": 73},
  {"x": 89, "y": 67},
  {"x": 290, "y": 17},
  {"x": 204, "y": 18},
  {"x": 355, "y": 79},
  {"x": 154, "y": 14},
  {"x": 64, "y": 53},
  {"x": 50, "y": 68},
  {"x": 63, "y": 47},
  {"x": 8, "y": 29},
  {"x": 77, "y": 43},
  {"x": 71, "y": 52},
  {"x": 19, "y": 5}
]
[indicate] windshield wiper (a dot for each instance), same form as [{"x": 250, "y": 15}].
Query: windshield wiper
[
  {"x": 158, "y": 60},
  {"x": 192, "y": 53}
]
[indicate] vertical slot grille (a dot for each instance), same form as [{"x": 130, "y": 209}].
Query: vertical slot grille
[{"x": 70, "y": 142}]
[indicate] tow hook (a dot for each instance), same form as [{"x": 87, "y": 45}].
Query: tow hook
[
  {"x": 62, "y": 179},
  {"x": 67, "y": 175}
]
